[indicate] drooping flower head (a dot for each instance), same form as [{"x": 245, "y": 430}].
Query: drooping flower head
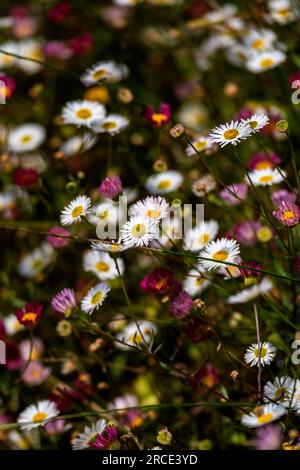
[
  {"x": 265, "y": 415},
  {"x": 29, "y": 315},
  {"x": 64, "y": 302},
  {"x": 107, "y": 440}
]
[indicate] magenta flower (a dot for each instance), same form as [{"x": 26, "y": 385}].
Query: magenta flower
[
  {"x": 9, "y": 87},
  {"x": 234, "y": 193},
  {"x": 159, "y": 281},
  {"x": 110, "y": 187},
  {"x": 245, "y": 232},
  {"x": 81, "y": 44},
  {"x": 58, "y": 242},
  {"x": 158, "y": 118},
  {"x": 268, "y": 437},
  {"x": 57, "y": 49},
  {"x": 60, "y": 12},
  {"x": 283, "y": 195},
  {"x": 261, "y": 160},
  {"x": 288, "y": 213},
  {"x": 108, "y": 439},
  {"x": 181, "y": 306},
  {"x": 243, "y": 113},
  {"x": 64, "y": 302},
  {"x": 205, "y": 378}
]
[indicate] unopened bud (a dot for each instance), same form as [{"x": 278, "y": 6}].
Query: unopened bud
[
  {"x": 164, "y": 436},
  {"x": 234, "y": 375},
  {"x": 125, "y": 95},
  {"x": 177, "y": 131},
  {"x": 282, "y": 126}
]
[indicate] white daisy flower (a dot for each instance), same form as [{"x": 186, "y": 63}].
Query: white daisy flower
[
  {"x": 156, "y": 208},
  {"x": 230, "y": 133},
  {"x": 78, "y": 144},
  {"x": 265, "y": 61},
  {"x": 171, "y": 229},
  {"x": 294, "y": 395},
  {"x": 34, "y": 263},
  {"x": 278, "y": 391},
  {"x": 37, "y": 415},
  {"x": 257, "y": 122},
  {"x": 201, "y": 143},
  {"x": 82, "y": 112},
  {"x": 95, "y": 297},
  {"x": 112, "y": 247},
  {"x": 26, "y": 137},
  {"x": 220, "y": 14},
  {"x": 194, "y": 284},
  {"x": 221, "y": 250},
  {"x": 108, "y": 71},
  {"x": 260, "y": 40},
  {"x": 266, "y": 351},
  {"x": 7, "y": 61},
  {"x": 136, "y": 334},
  {"x": 238, "y": 54},
  {"x": 104, "y": 213},
  {"x": 31, "y": 49},
  {"x": 197, "y": 237},
  {"x": 79, "y": 207},
  {"x": 101, "y": 264},
  {"x": 283, "y": 11},
  {"x": 251, "y": 293},
  {"x": 138, "y": 231},
  {"x": 270, "y": 412},
  {"x": 165, "y": 182},
  {"x": 88, "y": 435},
  {"x": 266, "y": 176},
  {"x": 11, "y": 325},
  {"x": 112, "y": 124}
]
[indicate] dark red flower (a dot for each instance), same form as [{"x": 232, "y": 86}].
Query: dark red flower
[
  {"x": 251, "y": 273},
  {"x": 108, "y": 439},
  {"x": 7, "y": 88},
  {"x": 63, "y": 397},
  {"x": 198, "y": 330},
  {"x": 25, "y": 177},
  {"x": 81, "y": 44},
  {"x": 30, "y": 315},
  {"x": 160, "y": 281},
  {"x": 205, "y": 378},
  {"x": 60, "y": 12},
  {"x": 158, "y": 118}
]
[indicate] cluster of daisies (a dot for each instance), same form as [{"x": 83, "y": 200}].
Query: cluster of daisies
[{"x": 245, "y": 45}]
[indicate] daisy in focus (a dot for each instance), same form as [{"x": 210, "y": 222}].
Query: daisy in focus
[
  {"x": 257, "y": 122},
  {"x": 265, "y": 351},
  {"x": 156, "y": 208},
  {"x": 139, "y": 231},
  {"x": 230, "y": 133},
  {"x": 277, "y": 391},
  {"x": 37, "y": 415},
  {"x": 267, "y": 414},
  {"x": 95, "y": 298},
  {"x": 83, "y": 113},
  {"x": 220, "y": 251},
  {"x": 78, "y": 208}
]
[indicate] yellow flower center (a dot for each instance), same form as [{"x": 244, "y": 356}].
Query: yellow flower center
[
  {"x": 288, "y": 215},
  {"x": 109, "y": 125},
  {"x": 200, "y": 145},
  {"x": 26, "y": 138},
  {"x": 139, "y": 230},
  {"x": 96, "y": 298},
  {"x": 266, "y": 179},
  {"x": 29, "y": 316},
  {"x": 221, "y": 255},
  {"x": 83, "y": 113},
  {"x": 231, "y": 134},
  {"x": 263, "y": 352},
  {"x": 279, "y": 393},
  {"x": 158, "y": 118},
  {"x": 263, "y": 419},
  {"x": 38, "y": 417},
  {"x": 153, "y": 213},
  {"x": 101, "y": 266},
  {"x": 258, "y": 44},
  {"x": 263, "y": 165},
  {"x": 199, "y": 281},
  {"x": 161, "y": 283},
  {"x": 265, "y": 63},
  {"x": 77, "y": 211},
  {"x": 164, "y": 184},
  {"x": 253, "y": 124},
  {"x": 204, "y": 238},
  {"x": 99, "y": 74},
  {"x": 104, "y": 215}
]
